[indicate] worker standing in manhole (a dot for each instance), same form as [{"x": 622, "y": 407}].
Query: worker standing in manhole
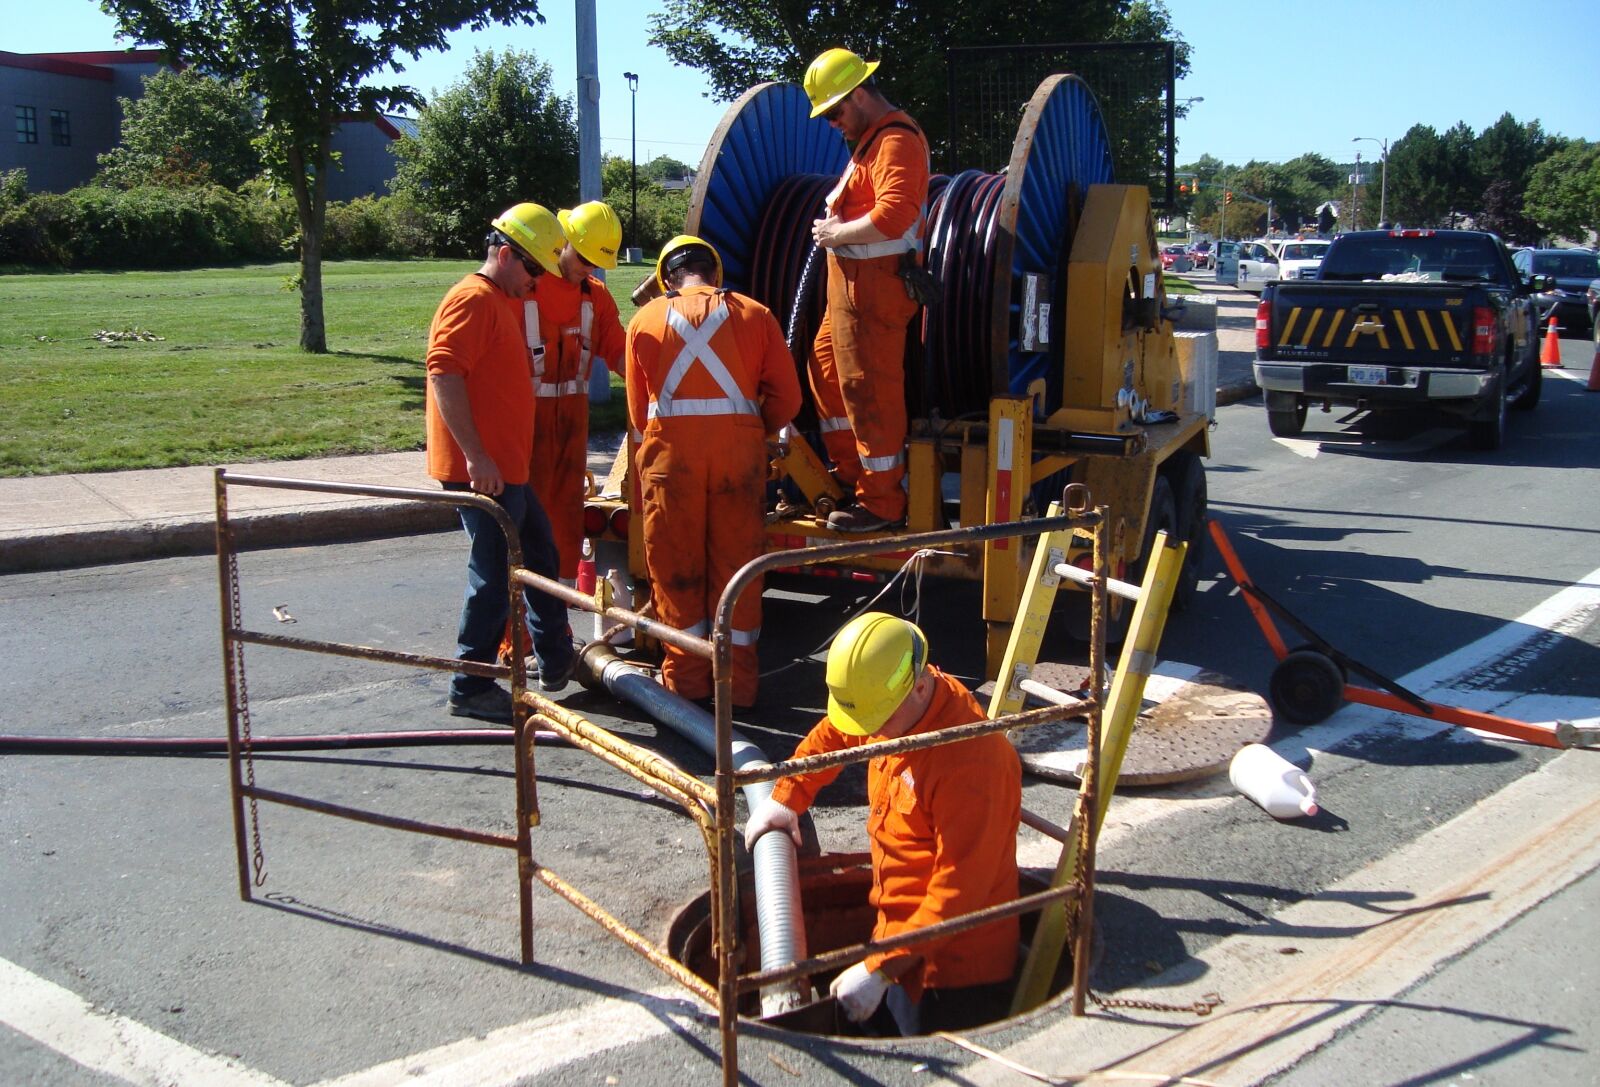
[
  {"x": 943, "y": 828},
  {"x": 872, "y": 230}
]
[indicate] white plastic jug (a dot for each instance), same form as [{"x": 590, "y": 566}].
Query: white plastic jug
[{"x": 1278, "y": 785}]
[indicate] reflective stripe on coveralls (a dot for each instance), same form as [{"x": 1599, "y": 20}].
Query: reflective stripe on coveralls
[
  {"x": 705, "y": 370},
  {"x": 582, "y": 330}
]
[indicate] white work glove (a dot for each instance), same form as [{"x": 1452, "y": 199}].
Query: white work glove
[
  {"x": 771, "y": 815},
  {"x": 859, "y": 991}
]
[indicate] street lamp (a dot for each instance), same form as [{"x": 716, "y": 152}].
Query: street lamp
[
  {"x": 1383, "y": 175},
  {"x": 1188, "y": 102},
  {"x": 633, "y": 158}
]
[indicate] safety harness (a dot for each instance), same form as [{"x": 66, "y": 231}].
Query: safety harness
[{"x": 536, "y": 349}]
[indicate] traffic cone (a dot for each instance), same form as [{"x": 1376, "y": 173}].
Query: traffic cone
[
  {"x": 1594, "y": 367},
  {"x": 1551, "y": 355}
]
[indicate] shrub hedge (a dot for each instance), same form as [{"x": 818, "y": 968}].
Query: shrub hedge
[{"x": 98, "y": 226}]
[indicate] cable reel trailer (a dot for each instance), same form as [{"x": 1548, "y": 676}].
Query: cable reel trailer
[{"x": 1047, "y": 359}]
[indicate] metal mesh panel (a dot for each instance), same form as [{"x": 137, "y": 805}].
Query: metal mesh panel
[{"x": 989, "y": 87}]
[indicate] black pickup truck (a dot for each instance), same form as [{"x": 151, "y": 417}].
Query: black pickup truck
[{"x": 1401, "y": 318}]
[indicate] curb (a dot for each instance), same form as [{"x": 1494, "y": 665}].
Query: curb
[{"x": 171, "y": 538}]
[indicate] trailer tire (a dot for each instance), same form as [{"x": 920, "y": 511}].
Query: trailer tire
[
  {"x": 1188, "y": 475},
  {"x": 1163, "y": 517}
]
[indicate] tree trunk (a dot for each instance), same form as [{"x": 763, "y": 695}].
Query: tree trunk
[{"x": 311, "y": 201}]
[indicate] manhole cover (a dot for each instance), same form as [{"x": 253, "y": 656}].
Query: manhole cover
[{"x": 1192, "y": 724}]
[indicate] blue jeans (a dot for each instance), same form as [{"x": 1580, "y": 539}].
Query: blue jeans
[{"x": 488, "y": 601}]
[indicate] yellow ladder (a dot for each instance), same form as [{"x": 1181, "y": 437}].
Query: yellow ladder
[{"x": 1121, "y": 708}]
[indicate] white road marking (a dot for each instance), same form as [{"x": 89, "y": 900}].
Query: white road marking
[
  {"x": 523, "y": 1050},
  {"x": 1572, "y": 375},
  {"x": 1301, "y": 447},
  {"x": 108, "y": 1043}
]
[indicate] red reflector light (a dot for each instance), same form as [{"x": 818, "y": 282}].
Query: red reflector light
[
  {"x": 1483, "y": 331},
  {"x": 594, "y": 520},
  {"x": 620, "y": 519},
  {"x": 1263, "y": 323}
]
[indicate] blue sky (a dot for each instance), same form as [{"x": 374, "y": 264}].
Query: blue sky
[{"x": 1279, "y": 78}]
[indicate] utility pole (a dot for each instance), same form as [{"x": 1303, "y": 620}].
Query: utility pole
[
  {"x": 1355, "y": 195},
  {"x": 1383, "y": 176}
]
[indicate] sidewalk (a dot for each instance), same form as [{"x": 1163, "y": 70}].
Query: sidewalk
[{"x": 62, "y": 522}]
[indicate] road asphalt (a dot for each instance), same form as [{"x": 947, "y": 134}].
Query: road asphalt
[{"x": 89, "y": 519}]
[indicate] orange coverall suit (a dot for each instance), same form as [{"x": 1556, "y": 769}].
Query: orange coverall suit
[
  {"x": 709, "y": 377},
  {"x": 568, "y": 328},
  {"x": 943, "y": 824},
  {"x": 858, "y": 359}
]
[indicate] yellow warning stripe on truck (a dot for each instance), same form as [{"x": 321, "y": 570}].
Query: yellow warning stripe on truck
[{"x": 1366, "y": 326}]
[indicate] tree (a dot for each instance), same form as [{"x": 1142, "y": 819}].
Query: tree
[
  {"x": 1508, "y": 151},
  {"x": 1564, "y": 190},
  {"x": 307, "y": 61},
  {"x": 499, "y": 136},
  {"x": 1419, "y": 177},
  {"x": 740, "y": 45},
  {"x": 661, "y": 213},
  {"x": 186, "y": 129},
  {"x": 664, "y": 168},
  {"x": 1501, "y": 212}
]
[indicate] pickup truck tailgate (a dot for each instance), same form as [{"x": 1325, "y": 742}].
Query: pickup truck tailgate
[{"x": 1422, "y": 324}]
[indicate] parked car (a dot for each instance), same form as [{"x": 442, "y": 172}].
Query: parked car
[
  {"x": 1574, "y": 271},
  {"x": 1202, "y": 254},
  {"x": 1175, "y": 258},
  {"x": 1594, "y": 306}
]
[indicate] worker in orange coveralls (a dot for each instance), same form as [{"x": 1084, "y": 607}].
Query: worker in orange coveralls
[
  {"x": 709, "y": 378},
  {"x": 872, "y": 230},
  {"x": 572, "y": 325},
  {"x": 943, "y": 823}
]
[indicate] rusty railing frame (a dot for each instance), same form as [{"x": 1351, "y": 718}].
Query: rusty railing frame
[{"x": 712, "y": 809}]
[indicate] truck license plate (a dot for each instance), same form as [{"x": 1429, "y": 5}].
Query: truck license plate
[{"x": 1369, "y": 375}]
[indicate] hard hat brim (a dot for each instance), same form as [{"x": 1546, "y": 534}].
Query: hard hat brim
[
  {"x": 829, "y": 103},
  {"x": 848, "y": 723}
]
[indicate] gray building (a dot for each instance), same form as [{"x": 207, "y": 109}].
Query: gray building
[
  {"x": 366, "y": 158},
  {"x": 64, "y": 109},
  {"x": 66, "y": 115}
]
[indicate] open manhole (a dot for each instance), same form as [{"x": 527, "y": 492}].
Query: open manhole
[{"x": 833, "y": 891}]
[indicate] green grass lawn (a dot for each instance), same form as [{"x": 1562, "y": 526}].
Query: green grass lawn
[{"x": 227, "y": 381}]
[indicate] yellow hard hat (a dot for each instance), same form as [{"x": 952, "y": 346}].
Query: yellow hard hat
[
  {"x": 875, "y": 661},
  {"x": 680, "y": 251},
  {"x": 594, "y": 231},
  {"x": 531, "y": 229},
  {"x": 833, "y": 75}
]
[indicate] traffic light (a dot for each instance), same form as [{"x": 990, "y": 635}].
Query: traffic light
[{"x": 1228, "y": 197}]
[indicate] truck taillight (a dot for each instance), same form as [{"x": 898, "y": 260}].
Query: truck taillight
[
  {"x": 1483, "y": 331},
  {"x": 1263, "y": 325}
]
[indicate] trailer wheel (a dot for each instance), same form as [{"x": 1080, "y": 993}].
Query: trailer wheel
[
  {"x": 1188, "y": 476},
  {"x": 1306, "y": 687},
  {"x": 1163, "y": 517}
]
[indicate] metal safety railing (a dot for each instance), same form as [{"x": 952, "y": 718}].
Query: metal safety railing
[{"x": 711, "y": 808}]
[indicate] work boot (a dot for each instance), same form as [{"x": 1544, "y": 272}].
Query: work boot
[
  {"x": 492, "y": 704},
  {"x": 856, "y": 519},
  {"x": 552, "y": 680}
]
